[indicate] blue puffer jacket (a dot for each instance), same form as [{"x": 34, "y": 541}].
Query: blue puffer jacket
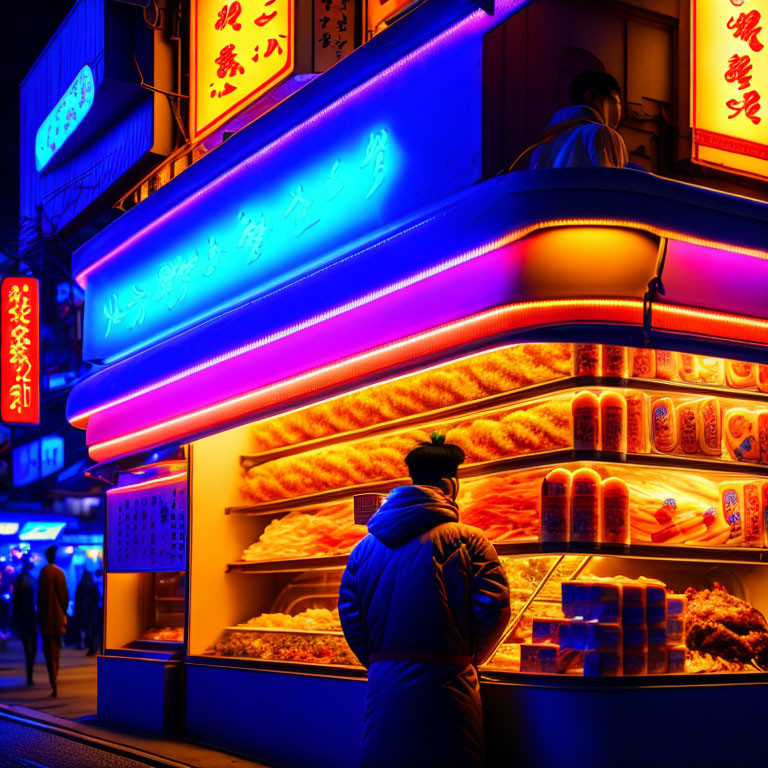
[{"x": 422, "y": 601}]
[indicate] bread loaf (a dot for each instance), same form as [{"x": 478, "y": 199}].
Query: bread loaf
[
  {"x": 613, "y": 422},
  {"x": 740, "y": 375},
  {"x": 586, "y": 359},
  {"x": 666, "y": 365},
  {"x": 555, "y": 505},
  {"x": 753, "y": 525},
  {"x": 614, "y": 361},
  {"x": 637, "y": 427},
  {"x": 711, "y": 370},
  {"x": 664, "y": 423},
  {"x": 688, "y": 368},
  {"x": 586, "y": 422},
  {"x": 688, "y": 421},
  {"x": 615, "y": 517},
  {"x": 741, "y": 438},
  {"x": 585, "y": 505},
  {"x": 643, "y": 363},
  {"x": 709, "y": 426},
  {"x": 762, "y": 377}
]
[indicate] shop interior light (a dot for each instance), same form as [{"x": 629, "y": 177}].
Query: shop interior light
[
  {"x": 712, "y": 324},
  {"x": 9, "y": 529}
]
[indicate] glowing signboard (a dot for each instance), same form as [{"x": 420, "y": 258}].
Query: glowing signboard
[
  {"x": 63, "y": 120},
  {"x": 381, "y": 10},
  {"x": 41, "y": 531},
  {"x": 20, "y": 351},
  {"x": 730, "y": 85},
  {"x": 335, "y": 22},
  {"x": 239, "y": 51},
  {"x": 240, "y": 245}
]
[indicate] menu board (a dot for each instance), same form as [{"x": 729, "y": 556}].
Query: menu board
[
  {"x": 147, "y": 527},
  {"x": 335, "y": 24}
]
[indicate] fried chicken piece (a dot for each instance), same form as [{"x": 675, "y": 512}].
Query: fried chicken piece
[
  {"x": 724, "y": 626},
  {"x": 696, "y": 663}
]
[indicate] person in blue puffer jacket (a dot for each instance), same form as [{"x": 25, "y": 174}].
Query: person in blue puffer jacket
[{"x": 423, "y": 601}]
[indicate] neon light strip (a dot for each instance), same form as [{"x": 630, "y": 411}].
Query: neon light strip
[
  {"x": 634, "y": 306},
  {"x": 244, "y": 165},
  {"x": 165, "y": 480},
  {"x": 81, "y": 419},
  {"x": 709, "y": 323}
]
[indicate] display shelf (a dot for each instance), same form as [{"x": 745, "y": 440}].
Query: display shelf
[
  {"x": 541, "y": 459},
  {"x": 276, "y": 665},
  {"x": 513, "y": 397},
  {"x": 281, "y": 506},
  {"x": 693, "y": 552},
  {"x": 286, "y": 630},
  {"x": 745, "y": 555},
  {"x": 290, "y": 565}
]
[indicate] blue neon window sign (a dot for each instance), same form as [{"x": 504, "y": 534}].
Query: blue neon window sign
[
  {"x": 65, "y": 117},
  {"x": 244, "y": 243}
]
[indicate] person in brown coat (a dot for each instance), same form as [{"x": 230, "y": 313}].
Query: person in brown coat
[{"x": 52, "y": 600}]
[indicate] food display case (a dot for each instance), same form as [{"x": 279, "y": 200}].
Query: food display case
[
  {"x": 625, "y": 489},
  {"x": 145, "y": 597}
]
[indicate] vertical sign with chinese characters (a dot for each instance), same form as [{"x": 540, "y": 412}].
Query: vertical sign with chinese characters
[
  {"x": 378, "y": 11},
  {"x": 20, "y": 368},
  {"x": 730, "y": 85},
  {"x": 147, "y": 526},
  {"x": 239, "y": 50},
  {"x": 335, "y": 22}
]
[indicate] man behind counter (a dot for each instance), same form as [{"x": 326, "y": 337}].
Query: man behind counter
[
  {"x": 423, "y": 601},
  {"x": 585, "y": 134}
]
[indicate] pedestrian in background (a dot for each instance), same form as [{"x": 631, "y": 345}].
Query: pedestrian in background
[
  {"x": 52, "y": 600},
  {"x": 86, "y": 611},
  {"x": 23, "y": 619}
]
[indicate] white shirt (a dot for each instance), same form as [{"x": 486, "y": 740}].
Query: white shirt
[{"x": 580, "y": 140}]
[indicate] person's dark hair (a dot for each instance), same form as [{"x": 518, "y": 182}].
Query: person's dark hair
[
  {"x": 434, "y": 461},
  {"x": 50, "y": 554},
  {"x": 601, "y": 82}
]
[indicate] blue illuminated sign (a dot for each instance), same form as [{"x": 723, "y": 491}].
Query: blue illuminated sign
[
  {"x": 51, "y": 454},
  {"x": 65, "y": 117},
  {"x": 393, "y": 128},
  {"x": 37, "y": 459},
  {"x": 41, "y": 531},
  {"x": 26, "y": 463},
  {"x": 273, "y": 226}
]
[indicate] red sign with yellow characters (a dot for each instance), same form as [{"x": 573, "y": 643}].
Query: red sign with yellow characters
[
  {"x": 20, "y": 342},
  {"x": 239, "y": 50},
  {"x": 730, "y": 85}
]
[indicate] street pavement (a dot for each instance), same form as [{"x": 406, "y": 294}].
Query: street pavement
[{"x": 38, "y": 731}]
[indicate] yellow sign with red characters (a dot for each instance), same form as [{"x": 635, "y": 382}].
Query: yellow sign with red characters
[
  {"x": 729, "y": 79},
  {"x": 239, "y": 50}
]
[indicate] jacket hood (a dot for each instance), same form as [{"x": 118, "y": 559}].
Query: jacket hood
[
  {"x": 577, "y": 112},
  {"x": 409, "y": 511}
]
